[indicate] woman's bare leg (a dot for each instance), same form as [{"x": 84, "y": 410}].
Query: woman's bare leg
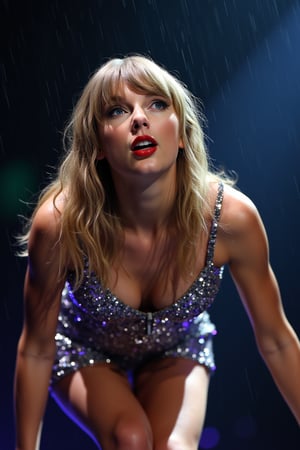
[
  {"x": 173, "y": 393},
  {"x": 101, "y": 401}
]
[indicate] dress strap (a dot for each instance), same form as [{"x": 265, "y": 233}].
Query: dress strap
[{"x": 214, "y": 225}]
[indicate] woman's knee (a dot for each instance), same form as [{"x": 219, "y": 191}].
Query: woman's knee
[{"x": 132, "y": 434}]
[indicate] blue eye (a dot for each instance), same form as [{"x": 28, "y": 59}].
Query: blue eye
[
  {"x": 116, "y": 111},
  {"x": 160, "y": 104}
]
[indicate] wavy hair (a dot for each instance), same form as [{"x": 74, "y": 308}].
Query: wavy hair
[{"x": 90, "y": 224}]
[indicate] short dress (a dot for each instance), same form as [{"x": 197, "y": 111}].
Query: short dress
[{"x": 95, "y": 326}]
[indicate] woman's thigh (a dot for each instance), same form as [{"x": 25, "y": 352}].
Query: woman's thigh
[
  {"x": 173, "y": 393},
  {"x": 99, "y": 398}
]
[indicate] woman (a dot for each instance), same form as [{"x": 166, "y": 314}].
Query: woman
[{"x": 125, "y": 254}]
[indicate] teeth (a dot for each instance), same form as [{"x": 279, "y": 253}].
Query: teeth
[{"x": 143, "y": 144}]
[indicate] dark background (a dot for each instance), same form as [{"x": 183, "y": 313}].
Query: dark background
[{"x": 242, "y": 58}]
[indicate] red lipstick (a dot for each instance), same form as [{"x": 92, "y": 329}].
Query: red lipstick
[{"x": 144, "y": 146}]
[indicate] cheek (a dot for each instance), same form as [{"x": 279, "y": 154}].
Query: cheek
[
  {"x": 108, "y": 138},
  {"x": 106, "y": 133},
  {"x": 172, "y": 129}
]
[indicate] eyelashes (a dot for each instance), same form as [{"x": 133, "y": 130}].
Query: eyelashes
[
  {"x": 116, "y": 111},
  {"x": 120, "y": 110},
  {"x": 160, "y": 105}
]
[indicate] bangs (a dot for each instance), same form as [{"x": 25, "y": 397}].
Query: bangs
[{"x": 143, "y": 77}]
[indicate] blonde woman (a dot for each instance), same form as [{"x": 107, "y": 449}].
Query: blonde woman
[{"x": 126, "y": 250}]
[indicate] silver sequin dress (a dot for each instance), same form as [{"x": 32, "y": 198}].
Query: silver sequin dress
[{"x": 96, "y": 326}]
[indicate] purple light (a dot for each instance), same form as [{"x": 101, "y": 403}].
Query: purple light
[
  {"x": 210, "y": 437},
  {"x": 245, "y": 427}
]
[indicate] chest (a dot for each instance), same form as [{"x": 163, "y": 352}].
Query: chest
[{"x": 148, "y": 275}]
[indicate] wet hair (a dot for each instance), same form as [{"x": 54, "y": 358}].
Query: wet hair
[{"x": 91, "y": 226}]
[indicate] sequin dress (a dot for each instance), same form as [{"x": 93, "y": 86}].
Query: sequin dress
[{"x": 96, "y": 326}]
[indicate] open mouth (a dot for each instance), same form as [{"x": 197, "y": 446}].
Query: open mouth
[{"x": 144, "y": 146}]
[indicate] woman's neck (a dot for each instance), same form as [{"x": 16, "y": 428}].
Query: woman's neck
[{"x": 146, "y": 207}]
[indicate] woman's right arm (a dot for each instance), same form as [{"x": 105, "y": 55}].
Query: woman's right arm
[{"x": 36, "y": 347}]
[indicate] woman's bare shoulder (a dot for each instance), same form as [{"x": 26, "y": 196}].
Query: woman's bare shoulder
[
  {"x": 238, "y": 211},
  {"x": 47, "y": 219},
  {"x": 241, "y": 233}
]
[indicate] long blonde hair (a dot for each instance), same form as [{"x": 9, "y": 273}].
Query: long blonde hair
[{"x": 90, "y": 225}]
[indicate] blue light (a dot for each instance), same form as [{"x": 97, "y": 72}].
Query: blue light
[
  {"x": 245, "y": 427},
  {"x": 210, "y": 438}
]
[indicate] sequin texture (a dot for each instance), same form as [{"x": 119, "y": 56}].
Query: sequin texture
[{"x": 96, "y": 326}]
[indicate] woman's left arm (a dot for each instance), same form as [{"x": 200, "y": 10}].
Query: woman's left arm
[{"x": 257, "y": 286}]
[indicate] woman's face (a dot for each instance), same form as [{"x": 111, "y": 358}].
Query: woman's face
[{"x": 139, "y": 134}]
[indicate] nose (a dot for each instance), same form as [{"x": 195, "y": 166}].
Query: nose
[{"x": 139, "y": 120}]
